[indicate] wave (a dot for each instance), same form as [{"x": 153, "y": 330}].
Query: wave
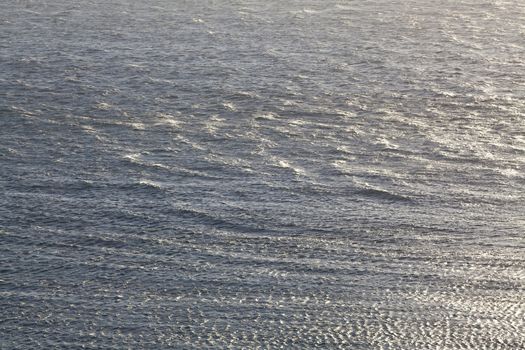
[
  {"x": 285, "y": 164},
  {"x": 384, "y": 195},
  {"x": 265, "y": 116}
]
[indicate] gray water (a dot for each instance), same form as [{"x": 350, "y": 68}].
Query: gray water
[{"x": 262, "y": 174}]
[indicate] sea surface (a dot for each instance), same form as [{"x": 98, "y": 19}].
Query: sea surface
[{"x": 249, "y": 174}]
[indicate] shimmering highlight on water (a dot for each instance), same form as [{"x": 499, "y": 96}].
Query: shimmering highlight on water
[{"x": 262, "y": 174}]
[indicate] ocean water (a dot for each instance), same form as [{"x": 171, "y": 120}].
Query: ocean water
[{"x": 250, "y": 174}]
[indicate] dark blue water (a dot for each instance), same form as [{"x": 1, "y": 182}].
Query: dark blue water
[{"x": 262, "y": 174}]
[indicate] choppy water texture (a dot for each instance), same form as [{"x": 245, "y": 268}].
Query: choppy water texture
[{"x": 262, "y": 174}]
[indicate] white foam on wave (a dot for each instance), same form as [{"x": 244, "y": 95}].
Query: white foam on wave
[
  {"x": 136, "y": 66},
  {"x": 168, "y": 119},
  {"x": 387, "y": 144},
  {"x": 94, "y": 132},
  {"x": 342, "y": 166},
  {"x": 231, "y": 162},
  {"x": 138, "y": 158},
  {"x": 229, "y": 106},
  {"x": 250, "y": 94},
  {"x": 150, "y": 183},
  {"x": 310, "y": 11},
  {"x": 289, "y": 103},
  {"x": 298, "y": 122},
  {"x": 133, "y": 157},
  {"x": 346, "y": 150},
  {"x": 137, "y": 126},
  {"x": 265, "y": 116},
  {"x": 213, "y": 124},
  {"x": 216, "y": 118},
  {"x": 305, "y": 11},
  {"x": 175, "y": 124},
  {"x": 192, "y": 144},
  {"x": 511, "y": 173},
  {"x": 286, "y": 164},
  {"x": 23, "y": 111},
  {"x": 344, "y": 7},
  {"x": 103, "y": 106}
]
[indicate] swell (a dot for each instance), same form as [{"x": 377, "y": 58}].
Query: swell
[{"x": 383, "y": 195}]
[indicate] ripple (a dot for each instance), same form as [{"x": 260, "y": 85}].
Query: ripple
[{"x": 262, "y": 175}]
